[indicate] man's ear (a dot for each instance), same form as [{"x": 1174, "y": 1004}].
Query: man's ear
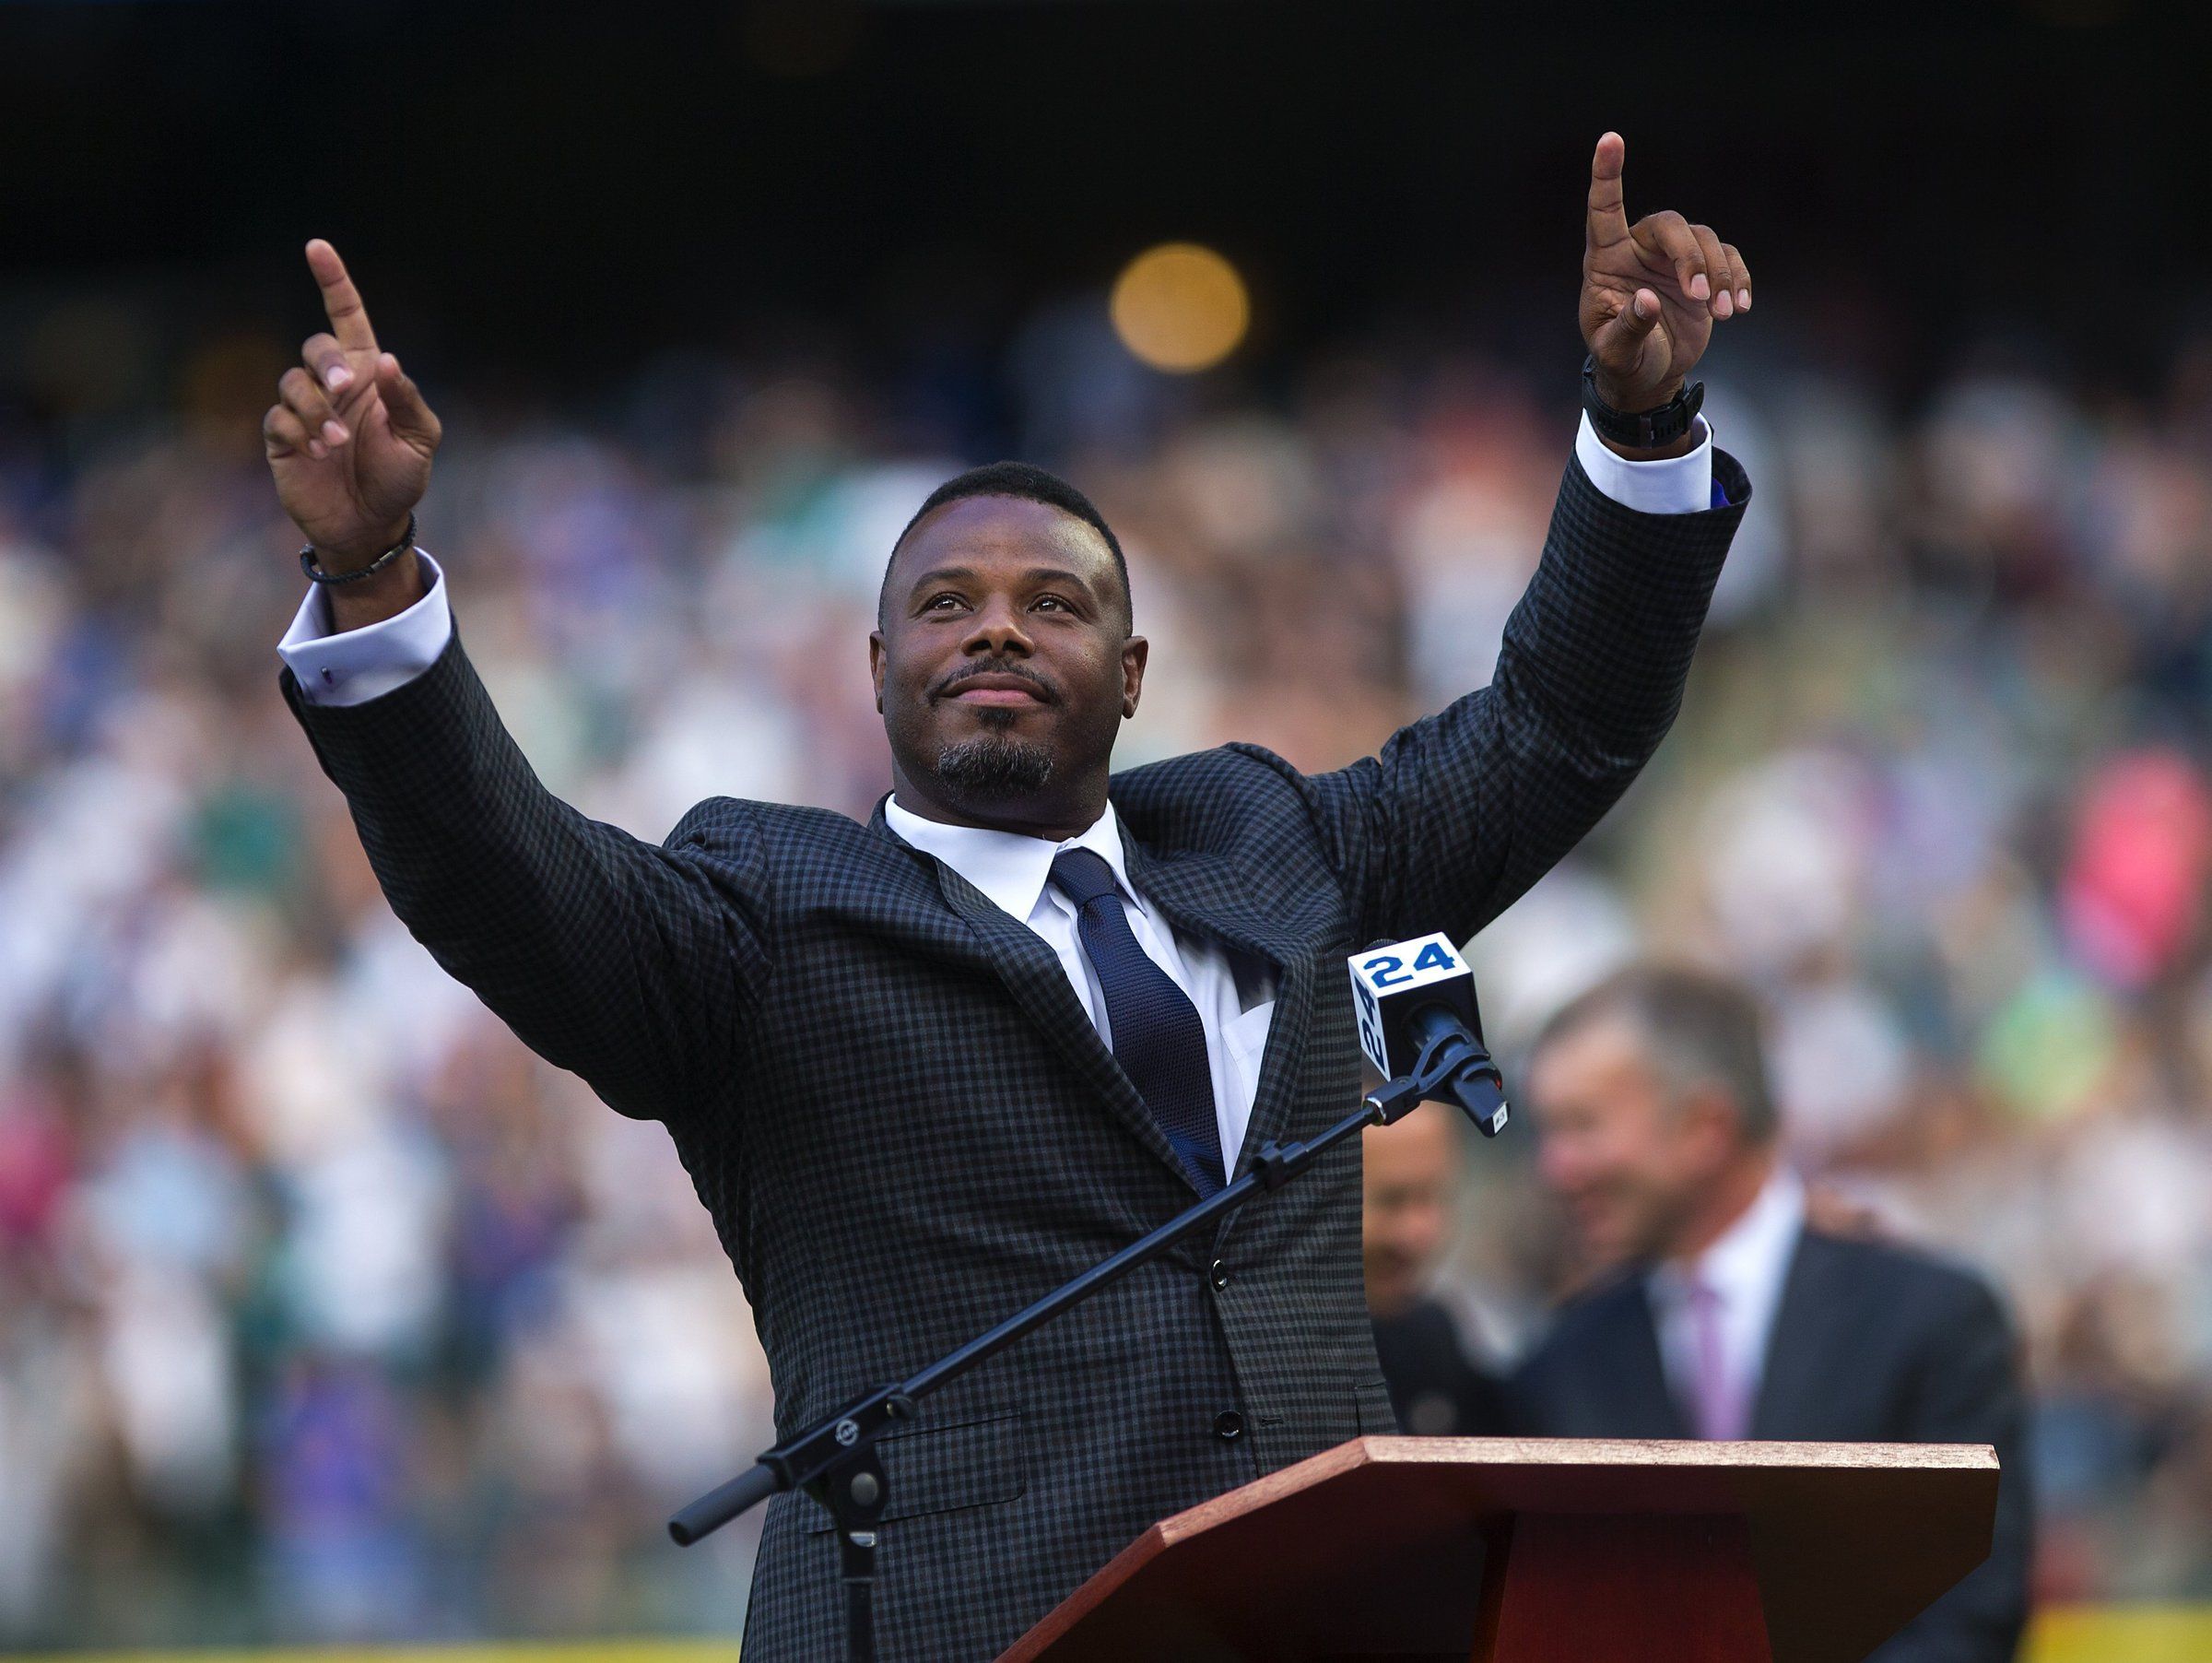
[
  {"x": 1710, "y": 1122},
  {"x": 1135, "y": 652},
  {"x": 875, "y": 666}
]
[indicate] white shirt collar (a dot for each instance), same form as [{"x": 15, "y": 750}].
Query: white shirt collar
[
  {"x": 1010, "y": 867},
  {"x": 1752, "y": 1255}
]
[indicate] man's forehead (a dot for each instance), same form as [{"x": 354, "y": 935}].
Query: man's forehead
[
  {"x": 1603, "y": 1049},
  {"x": 1422, "y": 1142},
  {"x": 1002, "y": 528}
]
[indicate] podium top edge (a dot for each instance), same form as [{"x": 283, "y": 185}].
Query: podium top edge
[
  {"x": 1679, "y": 1452},
  {"x": 1827, "y": 1511}
]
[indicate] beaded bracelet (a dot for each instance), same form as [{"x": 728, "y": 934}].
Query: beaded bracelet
[{"x": 306, "y": 558}]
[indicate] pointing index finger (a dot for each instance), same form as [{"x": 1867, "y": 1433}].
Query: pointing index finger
[
  {"x": 341, "y": 301},
  {"x": 1608, "y": 221}
]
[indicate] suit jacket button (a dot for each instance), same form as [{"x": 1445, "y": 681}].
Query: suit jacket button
[
  {"x": 1218, "y": 1272},
  {"x": 1229, "y": 1426}
]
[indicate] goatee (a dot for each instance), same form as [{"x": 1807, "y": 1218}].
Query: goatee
[{"x": 994, "y": 765}]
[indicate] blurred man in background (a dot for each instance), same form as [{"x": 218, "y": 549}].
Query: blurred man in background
[
  {"x": 1411, "y": 1189},
  {"x": 1719, "y": 1314}
]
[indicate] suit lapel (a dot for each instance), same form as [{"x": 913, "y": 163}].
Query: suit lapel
[
  {"x": 1203, "y": 895},
  {"x": 1033, "y": 975},
  {"x": 1200, "y": 894},
  {"x": 1806, "y": 1344}
]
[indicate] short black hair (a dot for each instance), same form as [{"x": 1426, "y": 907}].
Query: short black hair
[{"x": 1012, "y": 480}]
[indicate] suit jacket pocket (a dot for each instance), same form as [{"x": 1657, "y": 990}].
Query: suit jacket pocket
[
  {"x": 1371, "y": 1400},
  {"x": 967, "y": 1463}
]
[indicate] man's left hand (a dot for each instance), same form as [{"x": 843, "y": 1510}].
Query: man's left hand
[{"x": 1651, "y": 291}]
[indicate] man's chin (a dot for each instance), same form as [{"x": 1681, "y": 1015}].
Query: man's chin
[
  {"x": 1605, "y": 1243},
  {"x": 1392, "y": 1284},
  {"x": 994, "y": 765}
]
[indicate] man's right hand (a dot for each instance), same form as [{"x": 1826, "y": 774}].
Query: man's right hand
[{"x": 352, "y": 440}]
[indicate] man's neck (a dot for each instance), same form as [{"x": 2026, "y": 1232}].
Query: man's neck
[
  {"x": 1056, "y": 821},
  {"x": 1723, "y": 1206}
]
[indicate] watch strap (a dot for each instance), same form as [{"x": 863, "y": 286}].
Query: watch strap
[{"x": 1640, "y": 429}]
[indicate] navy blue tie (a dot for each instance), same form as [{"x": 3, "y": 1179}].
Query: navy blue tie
[{"x": 1158, "y": 1038}]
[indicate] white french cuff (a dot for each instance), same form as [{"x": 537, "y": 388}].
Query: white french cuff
[
  {"x": 352, "y": 666},
  {"x": 1671, "y": 485}
]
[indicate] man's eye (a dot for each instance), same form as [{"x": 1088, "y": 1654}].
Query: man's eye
[
  {"x": 1053, "y": 600},
  {"x": 937, "y": 601}
]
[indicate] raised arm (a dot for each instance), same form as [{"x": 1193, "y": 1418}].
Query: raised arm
[
  {"x": 1461, "y": 811},
  {"x": 633, "y": 965},
  {"x": 349, "y": 442},
  {"x": 1651, "y": 294}
]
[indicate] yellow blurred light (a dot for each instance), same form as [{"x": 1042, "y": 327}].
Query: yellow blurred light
[{"x": 1180, "y": 307}]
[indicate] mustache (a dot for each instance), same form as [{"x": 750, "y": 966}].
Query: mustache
[{"x": 953, "y": 682}]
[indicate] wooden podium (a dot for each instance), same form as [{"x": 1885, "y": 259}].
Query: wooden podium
[{"x": 1543, "y": 1551}]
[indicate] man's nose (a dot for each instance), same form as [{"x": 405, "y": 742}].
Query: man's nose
[{"x": 997, "y": 628}]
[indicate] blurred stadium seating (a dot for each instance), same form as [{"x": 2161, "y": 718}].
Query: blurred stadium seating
[
  {"x": 330, "y": 1311},
  {"x": 327, "y": 1314}
]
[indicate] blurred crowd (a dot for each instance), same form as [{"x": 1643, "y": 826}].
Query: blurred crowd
[{"x": 328, "y": 1311}]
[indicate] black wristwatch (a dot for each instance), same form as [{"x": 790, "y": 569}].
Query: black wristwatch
[{"x": 1644, "y": 429}]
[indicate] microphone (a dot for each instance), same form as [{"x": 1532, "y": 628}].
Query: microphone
[{"x": 1416, "y": 1002}]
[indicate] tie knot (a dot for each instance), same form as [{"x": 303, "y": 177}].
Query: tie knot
[{"x": 1082, "y": 875}]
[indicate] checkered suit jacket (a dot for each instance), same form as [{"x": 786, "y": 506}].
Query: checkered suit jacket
[{"x": 905, "y": 1127}]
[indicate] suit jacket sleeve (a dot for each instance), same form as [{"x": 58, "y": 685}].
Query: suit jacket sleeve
[
  {"x": 1461, "y": 811},
  {"x": 1969, "y": 1392},
  {"x": 634, "y": 966}
]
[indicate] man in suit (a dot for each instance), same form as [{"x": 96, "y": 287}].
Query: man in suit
[
  {"x": 1410, "y": 1184},
  {"x": 923, "y": 1070},
  {"x": 1725, "y": 1315}
]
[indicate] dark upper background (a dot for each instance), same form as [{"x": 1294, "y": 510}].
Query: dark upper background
[{"x": 550, "y": 191}]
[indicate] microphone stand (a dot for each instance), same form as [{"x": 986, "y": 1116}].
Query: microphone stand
[{"x": 835, "y": 1461}]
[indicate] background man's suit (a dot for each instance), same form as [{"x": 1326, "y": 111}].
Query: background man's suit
[
  {"x": 1870, "y": 1344},
  {"x": 887, "y": 1093}
]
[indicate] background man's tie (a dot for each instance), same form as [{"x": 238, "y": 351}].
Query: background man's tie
[
  {"x": 1158, "y": 1038},
  {"x": 1720, "y": 1406}
]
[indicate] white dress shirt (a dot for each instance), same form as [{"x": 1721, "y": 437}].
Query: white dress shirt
[
  {"x": 1745, "y": 1269},
  {"x": 355, "y": 665},
  {"x": 1013, "y": 871}
]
